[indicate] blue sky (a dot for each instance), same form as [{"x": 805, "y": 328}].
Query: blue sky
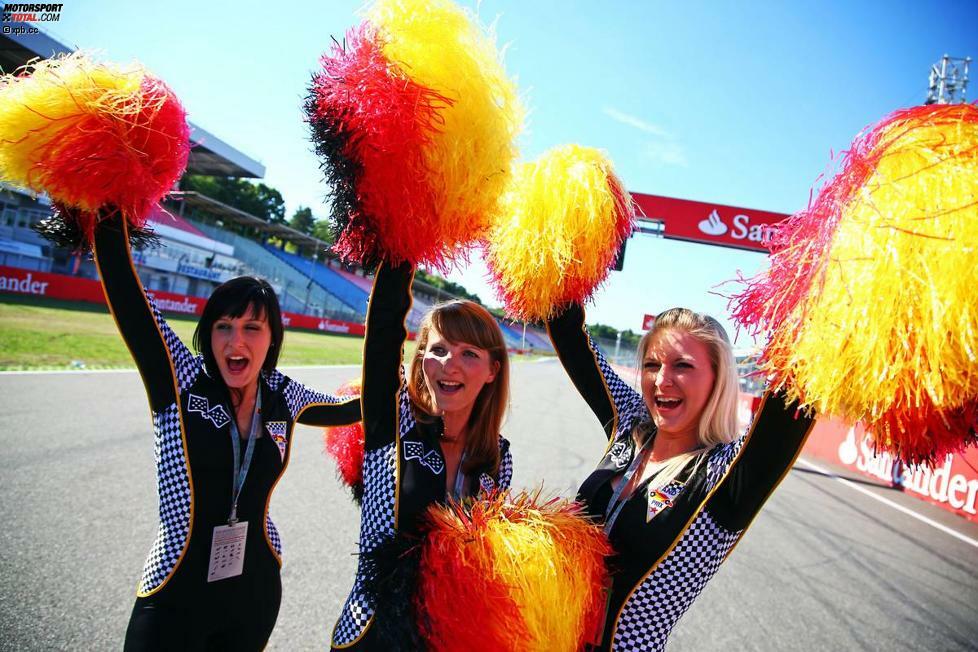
[{"x": 740, "y": 103}]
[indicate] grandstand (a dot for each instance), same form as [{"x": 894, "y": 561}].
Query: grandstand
[{"x": 205, "y": 242}]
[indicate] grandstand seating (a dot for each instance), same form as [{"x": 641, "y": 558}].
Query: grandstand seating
[
  {"x": 328, "y": 278},
  {"x": 297, "y": 294}
]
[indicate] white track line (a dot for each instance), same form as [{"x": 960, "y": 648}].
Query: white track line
[
  {"x": 885, "y": 501},
  {"x": 132, "y": 370}
]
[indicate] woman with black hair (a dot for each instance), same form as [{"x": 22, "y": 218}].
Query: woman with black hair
[{"x": 223, "y": 423}]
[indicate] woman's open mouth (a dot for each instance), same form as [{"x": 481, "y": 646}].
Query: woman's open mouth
[
  {"x": 664, "y": 404},
  {"x": 236, "y": 363},
  {"x": 449, "y": 386}
]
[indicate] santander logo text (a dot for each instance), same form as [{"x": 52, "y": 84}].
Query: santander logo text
[
  {"x": 938, "y": 483},
  {"x": 742, "y": 228},
  {"x": 713, "y": 225}
]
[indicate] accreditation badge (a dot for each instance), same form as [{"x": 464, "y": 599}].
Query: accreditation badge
[
  {"x": 660, "y": 499},
  {"x": 227, "y": 551}
]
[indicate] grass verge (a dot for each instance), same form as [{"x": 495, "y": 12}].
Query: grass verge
[{"x": 50, "y": 334}]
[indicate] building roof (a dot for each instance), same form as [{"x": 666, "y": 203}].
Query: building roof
[
  {"x": 231, "y": 215},
  {"x": 209, "y": 154}
]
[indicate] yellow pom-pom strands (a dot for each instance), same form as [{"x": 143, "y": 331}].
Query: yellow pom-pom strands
[
  {"x": 560, "y": 227},
  {"x": 91, "y": 136},
  {"x": 511, "y": 573},
  {"x": 881, "y": 324},
  {"x": 416, "y": 122}
]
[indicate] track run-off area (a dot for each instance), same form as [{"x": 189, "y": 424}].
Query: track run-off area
[{"x": 833, "y": 562}]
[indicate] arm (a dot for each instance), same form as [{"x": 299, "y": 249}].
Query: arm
[
  {"x": 318, "y": 409},
  {"x": 761, "y": 459},
  {"x": 164, "y": 363},
  {"x": 387, "y": 311},
  {"x": 608, "y": 396}
]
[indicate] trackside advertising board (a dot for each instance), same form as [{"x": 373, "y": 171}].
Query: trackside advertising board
[
  {"x": 14, "y": 280},
  {"x": 715, "y": 224},
  {"x": 951, "y": 483}
]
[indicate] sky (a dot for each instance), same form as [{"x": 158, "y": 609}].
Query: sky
[{"x": 739, "y": 103}]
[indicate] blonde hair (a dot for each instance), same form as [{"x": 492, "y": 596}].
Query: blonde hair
[
  {"x": 468, "y": 322},
  {"x": 718, "y": 422}
]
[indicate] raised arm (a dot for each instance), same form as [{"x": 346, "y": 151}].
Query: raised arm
[
  {"x": 387, "y": 311},
  {"x": 164, "y": 363},
  {"x": 314, "y": 408},
  {"x": 608, "y": 396},
  {"x": 761, "y": 459}
]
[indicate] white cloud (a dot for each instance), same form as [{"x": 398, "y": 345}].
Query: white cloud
[
  {"x": 638, "y": 123},
  {"x": 664, "y": 148},
  {"x": 667, "y": 154}
]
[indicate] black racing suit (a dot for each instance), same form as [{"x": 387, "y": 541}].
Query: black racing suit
[
  {"x": 176, "y": 607},
  {"x": 670, "y": 544},
  {"x": 403, "y": 466}
]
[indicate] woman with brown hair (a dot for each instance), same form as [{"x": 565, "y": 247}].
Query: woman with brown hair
[{"x": 427, "y": 437}]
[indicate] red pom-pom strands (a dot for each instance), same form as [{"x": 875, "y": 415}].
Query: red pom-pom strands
[
  {"x": 95, "y": 137},
  {"x": 345, "y": 445},
  {"x": 870, "y": 302},
  {"x": 510, "y": 573},
  {"x": 415, "y": 123},
  {"x": 370, "y": 124},
  {"x": 560, "y": 226}
]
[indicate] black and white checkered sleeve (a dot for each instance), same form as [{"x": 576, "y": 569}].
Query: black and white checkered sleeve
[
  {"x": 185, "y": 364},
  {"x": 616, "y": 405},
  {"x": 759, "y": 461},
  {"x": 163, "y": 362},
  {"x": 313, "y": 408},
  {"x": 505, "y": 480}
]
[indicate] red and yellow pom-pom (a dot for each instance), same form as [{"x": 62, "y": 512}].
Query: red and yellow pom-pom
[
  {"x": 92, "y": 135},
  {"x": 511, "y": 574},
  {"x": 345, "y": 443},
  {"x": 416, "y": 122},
  {"x": 870, "y": 299},
  {"x": 560, "y": 226}
]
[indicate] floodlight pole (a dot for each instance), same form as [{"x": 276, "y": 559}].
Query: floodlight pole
[{"x": 947, "y": 79}]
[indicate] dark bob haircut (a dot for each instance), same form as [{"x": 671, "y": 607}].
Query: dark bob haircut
[{"x": 244, "y": 294}]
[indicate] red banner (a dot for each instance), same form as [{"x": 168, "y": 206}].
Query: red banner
[
  {"x": 952, "y": 483},
  {"x": 716, "y": 224},
  {"x": 14, "y": 280}
]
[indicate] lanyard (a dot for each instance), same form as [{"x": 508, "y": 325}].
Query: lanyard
[
  {"x": 241, "y": 466},
  {"x": 459, "y": 479},
  {"x": 617, "y": 501}
]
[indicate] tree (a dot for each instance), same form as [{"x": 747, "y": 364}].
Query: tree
[
  {"x": 302, "y": 220},
  {"x": 258, "y": 199},
  {"x": 323, "y": 229},
  {"x": 271, "y": 201},
  {"x": 628, "y": 338}
]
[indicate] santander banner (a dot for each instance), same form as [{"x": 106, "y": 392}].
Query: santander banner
[
  {"x": 952, "y": 483},
  {"x": 715, "y": 224},
  {"x": 14, "y": 280}
]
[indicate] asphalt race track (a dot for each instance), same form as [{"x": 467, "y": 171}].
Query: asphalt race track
[{"x": 824, "y": 567}]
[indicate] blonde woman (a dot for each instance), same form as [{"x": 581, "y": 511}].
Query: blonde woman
[{"x": 679, "y": 483}]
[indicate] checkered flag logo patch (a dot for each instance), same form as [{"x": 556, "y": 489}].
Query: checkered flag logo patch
[
  {"x": 216, "y": 415},
  {"x": 619, "y": 454},
  {"x": 276, "y": 429},
  {"x": 415, "y": 450}
]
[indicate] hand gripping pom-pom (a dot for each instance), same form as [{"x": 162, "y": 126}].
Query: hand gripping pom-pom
[
  {"x": 870, "y": 302},
  {"x": 345, "y": 445},
  {"x": 560, "y": 226},
  {"x": 415, "y": 122},
  {"x": 95, "y": 137},
  {"x": 510, "y": 573}
]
